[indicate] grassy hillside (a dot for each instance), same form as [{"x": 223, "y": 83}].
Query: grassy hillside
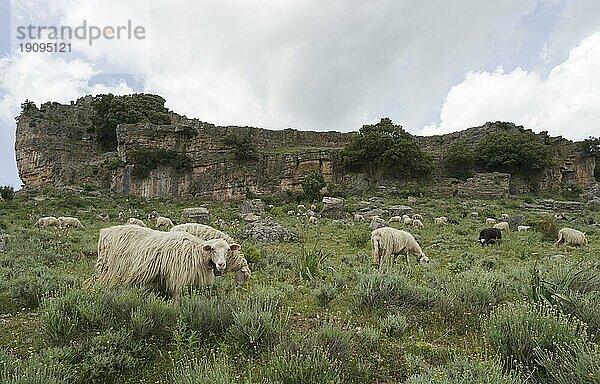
[{"x": 315, "y": 310}]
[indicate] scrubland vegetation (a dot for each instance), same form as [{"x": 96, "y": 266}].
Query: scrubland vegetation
[{"x": 314, "y": 311}]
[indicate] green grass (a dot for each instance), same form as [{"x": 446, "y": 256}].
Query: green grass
[{"x": 314, "y": 310}]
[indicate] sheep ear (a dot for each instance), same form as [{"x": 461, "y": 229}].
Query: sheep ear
[
  {"x": 234, "y": 247},
  {"x": 206, "y": 247}
]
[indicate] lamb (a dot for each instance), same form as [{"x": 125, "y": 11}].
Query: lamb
[
  {"x": 523, "y": 228},
  {"x": 387, "y": 242},
  {"x": 474, "y": 214},
  {"x": 505, "y": 216},
  {"x": 405, "y": 217},
  {"x": 503, "y": 226},
  {"x": 291, "y": 213},
  {"x": 395, "y": 219},
  {"x": 570, "y": 236},
  {"x": 408, "y": 221},
  {"x": 162, "y": 221},
  {"x": 130, "y": 255},
  {"x": 66, "y": 222},
  {"x": 416, "y": 216},
  {"x": 235, "y": 260},
  {"x": 417, "y": 223},
  {"x": 312, "y": 220},
  {"x": 440, "y": 220},
  {"x": 313, "y": 207},
  {"x": 48, "y": 221},
  {"x": 300, "y": 208},
  {"x": 133, "y": 220},
  {"x": 489, "y": 236},
  {"x": 490, "y": 221}
]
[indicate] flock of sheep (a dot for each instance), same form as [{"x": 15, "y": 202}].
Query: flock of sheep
[{"x": 192, "y": 255}]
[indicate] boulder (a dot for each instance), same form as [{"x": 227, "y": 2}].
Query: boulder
[
  {"x": 256, "y": 206},
  {"x": 377, "y": 222},
  {"x": 267, "y": 231},
  {"x": 195, "y": 215},
  {"x": 372, "y": 212},
  {"x": 250, "y": 217},
  {"x": 333, "y": 207},
  {"x": 399, "y": 210}
]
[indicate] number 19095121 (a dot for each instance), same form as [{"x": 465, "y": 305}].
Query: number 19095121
[{"x": 45, "y": 47}]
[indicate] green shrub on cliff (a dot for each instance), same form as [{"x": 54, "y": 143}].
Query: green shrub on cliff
[
  {"x": 459, "y": 160},
  {"x": 111, "y": 110},
  {"x": 385, "y": 148},
  {"x": 312, "y": 184},
  {"x": 513, "y": 152},
  {"x": 244, "y": 148},
  {"x": 146, "y": 160}
]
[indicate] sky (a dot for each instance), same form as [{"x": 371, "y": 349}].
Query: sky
[{"x": 432, "y": 66}]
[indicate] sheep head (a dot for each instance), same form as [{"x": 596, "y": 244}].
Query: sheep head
[
  {"x": 218, "y": 249},
  {"x": 423, "y": 259}
]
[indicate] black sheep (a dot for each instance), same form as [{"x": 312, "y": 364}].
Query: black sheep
[{"x": 489, "y": 236}]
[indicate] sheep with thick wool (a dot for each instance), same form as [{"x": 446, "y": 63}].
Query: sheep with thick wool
[
  {"x": 408, "y": 221},
  {"x": 395, "y": 219},
  {"x": 417, "y": 223},
  {"x": 490, "y": 221},
  {"x": 570, "y": 236},
  {"x": 503, "y": 226},
  {"x": 523, "y": 228},
  {"x": 165, "y": 222},
  {"x": 133, "y": 220},
  {"x": 387, "y": 242},
  {"x": 130, "y": 255},
  {"x": 48, "y": 221},
  {"x": 69, "y": 222},
  {"x": 416, "y": 216},
  {"x": 236, "y": 261},
  {"x": 440, "y": 220}
]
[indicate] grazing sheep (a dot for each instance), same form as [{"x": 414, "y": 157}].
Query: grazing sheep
[
  {"x": 310, "y": 213},
  {"x": 416, "y": 216},
  {"x": 417, "y": 223},
  {"x": 300, "y": 208},
  {"x": 570, "y": 236},
  {"x": 270, "y": 206},
  {"x": 133, "y": 220},
  {"x": 313, "y": 207},
  {"x": 440, "y": 220},
  {"x": 408, "y": 221},
  {"x": 236, "y": 261},
  {"x": 489, "y": 236},
  {"x": 387, "y": 242},
  {"x": 162, "y": 221},
  {"x": 69, "y": 222},
  {"x": 505, "y": 216},
  {"x": 312, "y": 220},
  {"x": 130, "y": 255},
  {"x": 474, "y": 214},
  {"x": 405, "y": 217},
  {"x": 48, "y": 221},
  {"x": 503, "y": 226},
  {"x": 291, "y": 213},
  {"x": 523, "y": 228},
  {"x": 359, "y": 217},
  {"x": 490, "y": 221},
  {"x": 395, "y": 219}
]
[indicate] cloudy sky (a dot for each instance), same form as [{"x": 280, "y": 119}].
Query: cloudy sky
[{"x": 432, "y": 66}]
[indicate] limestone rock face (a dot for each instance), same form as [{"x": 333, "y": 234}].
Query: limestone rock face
[
  {"x": 399, "y": 210},
  {"x": 333, "y": 207},
  {"x": 195, "y": 215},
  {"x": 486, "y": 185}
]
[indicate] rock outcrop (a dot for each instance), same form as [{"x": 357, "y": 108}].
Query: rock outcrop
[{"x": 58, "y": 145}]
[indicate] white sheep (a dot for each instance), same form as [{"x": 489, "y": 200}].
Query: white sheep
[
  {"x": 312, "y": 220},
  {"x": 570, "y": 236},
  {"x": 474, "y": 214},
  {"x": 310, "y": 213},
  {"x": 69, "y": 222},
  {"x": 505, "y": 216},
  {"x": 162, "y": 221},
  {"x": 291, "y": 213},
  {"x": 408, "y": 221},
  {"x": 523, "y": 228},
  {"x": 387, "y": 242},
  {"x": 395, "y": 219},
  {"x": 313, "y": 207},
  {"x": 490, "y": 221},
  {"x": 236, "y": 261},
  {"x": 417, "y": 223},
  {"x": 416, "y": 216},
  {"x": 300, "y": 208},
  {"x": 503, "y": 226},
  {"x": 440, "y": 220},
  {"x": 48, "y": 221},
  {"x": 133, "y": 220},
  {"x": 405, "y": 217},
  {"x": 130, "y": 255}
]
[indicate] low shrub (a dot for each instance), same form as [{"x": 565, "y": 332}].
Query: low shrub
[
  {"x": 578, "y": 364},
  {"x": 297, "y": 367},
  {"x": 336, "y": 342},
  {"x": 209, "y": 370},
  {"x": 325, "y": 293},
  {"x": 206, "y": 315},
  {"x": 465, "y": 371},
  {"x": 548, "y": 228},
  {"x": 394, "y": 324},
  {"x": 376, "y": 289},
  {"x": 520, "y": 332},
  {"x": 308, "y": 263}
]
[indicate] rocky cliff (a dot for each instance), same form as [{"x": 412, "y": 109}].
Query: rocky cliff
[{"x": 56, "y": 145}]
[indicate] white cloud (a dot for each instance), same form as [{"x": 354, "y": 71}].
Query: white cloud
[{"x": 566, "y": 102}]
